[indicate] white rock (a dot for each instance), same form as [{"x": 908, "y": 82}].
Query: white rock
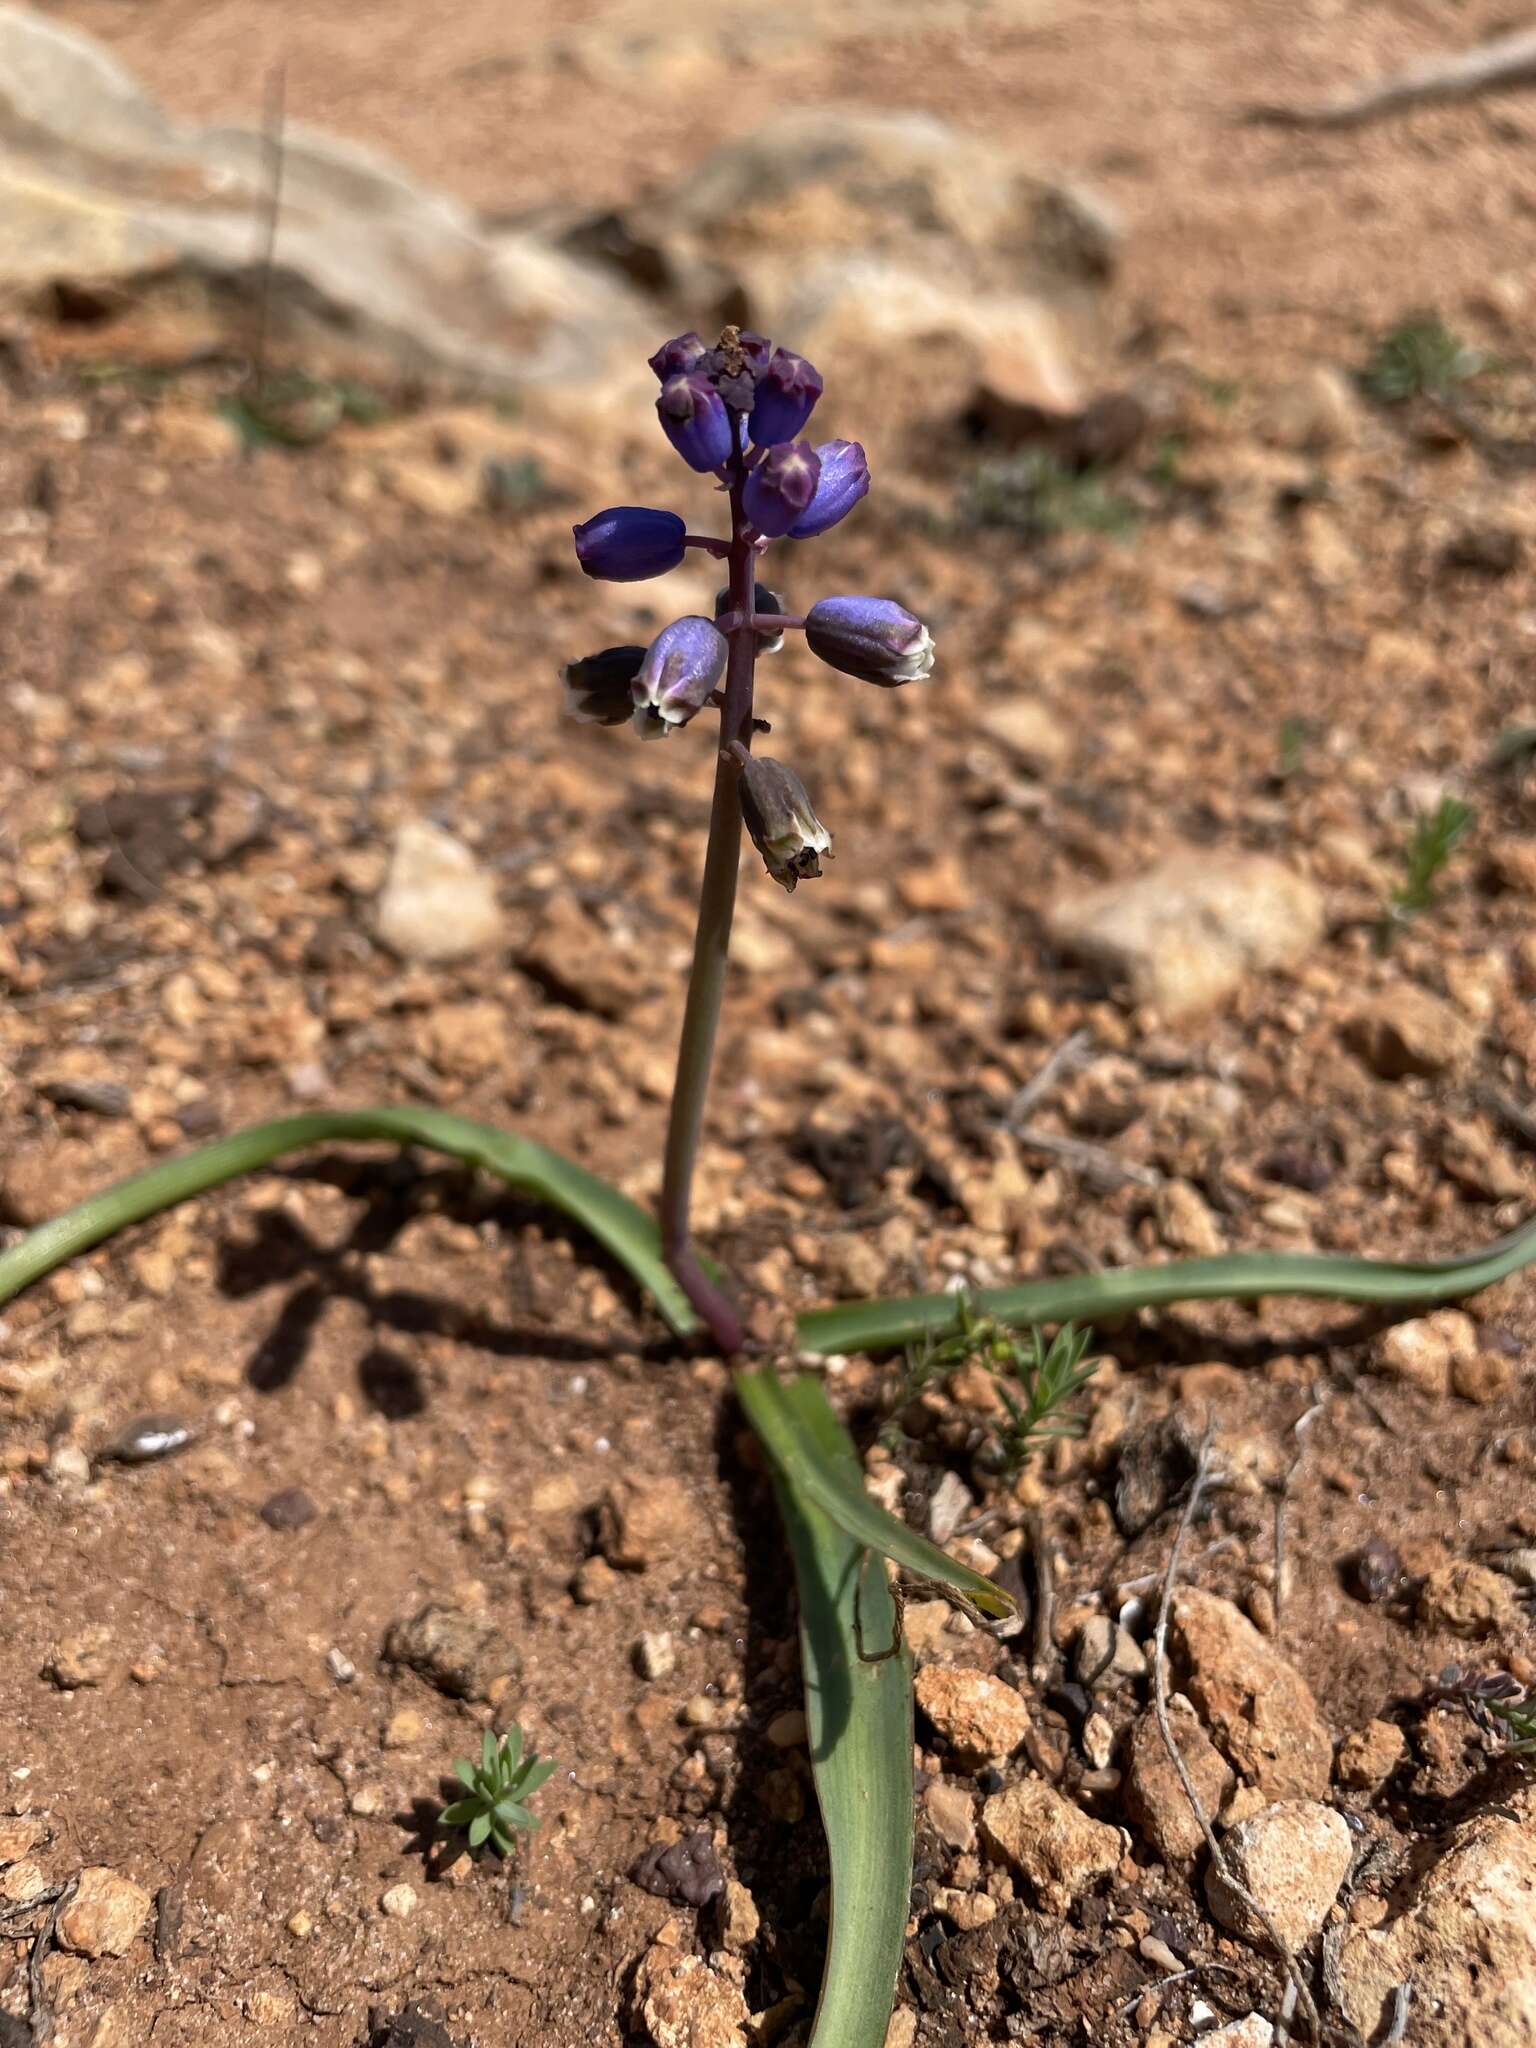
[
  {"x": 1189, "y": 931},
  {"x": 391, "y": 274},
  {"x": 1465, "y": 1940},
  {"x": 1252, "y": 2031},
  {"x": 1292, "y": 1858},
  {"x": 437, "y": 903}
]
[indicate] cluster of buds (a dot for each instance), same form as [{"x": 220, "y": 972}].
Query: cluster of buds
[{"x": 738, "y": 412}]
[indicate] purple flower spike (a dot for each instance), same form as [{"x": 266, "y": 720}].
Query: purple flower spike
[
  {"x": 780, "y": 490},
  {"x": 871, "y": 638},
  {"x": 844, "y": 480},
  {"x": 695, "y": 421},
  {"x": 786, "y": 397},
  {"x": 628, "y": 543},
  {"x": 682, "y": 665},
  {"x": 677, "y": 357}
]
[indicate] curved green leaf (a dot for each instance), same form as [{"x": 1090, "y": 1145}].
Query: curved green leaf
[
  {"x": 858, "y": 1708},
  {"x": 783, "y": 1416},
  {"x": 618, "y": 1224},
  {"x": 1234, "y": 1276}
]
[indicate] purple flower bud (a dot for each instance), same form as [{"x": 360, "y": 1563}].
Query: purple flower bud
[
  {"x": 695, "y": 421},
  {"x": 780, "y": 489},
  {"x": 598, "y": 687},
  {"x": 681, "y": 667},
  {"x": 677, "y": 357},
  {"x": 844, "y": 480},
  {"x": 871, "y": 638},
  {"x": 628, "y": 543},
  {"x": 786, "y": 397},
  {"x": 763, "y": 600},
  {"x": 778, "y": 815}
]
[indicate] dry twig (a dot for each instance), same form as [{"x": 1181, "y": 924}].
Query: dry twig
[
  {"x": 1071, "y": 1054},
  {"x": 1044, "y": 1639},
  {"x": 1219, "y": 1856},
  {"x": 40, "y": 2012},
  {"x": 1092, "y": 1161},
  {"x": 1500, "y": 65}
]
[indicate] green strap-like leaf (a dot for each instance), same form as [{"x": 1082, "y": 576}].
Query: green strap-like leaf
[
  {"x": 779, "y": 1413},
  {"x": 617, "y": 1223},
  {"x": 859, "y": 1720},
  {"x": 1234, "y": 1276}
]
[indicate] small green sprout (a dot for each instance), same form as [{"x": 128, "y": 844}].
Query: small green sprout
[
  {"x": 1435, "y": 837},
  {"x": 1037, "y": 494},
  {"x": 298, "y": 411},
  {"x": 1503, "y": 1708},
  {"x": 499, "y": 1788},
  {"x": 1420, "y": 358},
  {"x": 1294, "y": 738},
  {"x": 1035, "y": 1380},
  {"x": 1049, "y": 1375},
  {"x": 1517, "y": 1721}
]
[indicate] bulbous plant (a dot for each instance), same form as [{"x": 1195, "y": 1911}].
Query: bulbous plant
[{"x": 737, "y": 411}]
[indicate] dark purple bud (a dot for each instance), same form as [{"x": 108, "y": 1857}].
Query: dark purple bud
[
  {"x": 628, "y": 543},
  {"x": 779, "y": 491},
  {"x": 677, "y": 357},
  {"x": 678, "y": 675},
  {"x": 871, "y": 638},
  {"x": 598, "y": 687},
  {"x": 786, "y": 397},
  {"x": 763, "y": 600},
  {"x": 844, "y": 480},
  {"x": 778, "y": 815},
  {"x": 694, "y": 419}
]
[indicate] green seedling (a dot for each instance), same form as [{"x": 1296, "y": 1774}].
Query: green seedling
[
  {"x": 497, "y": 1789},
  {"x": 1435, "y": 837},
  {"x": 1420, "y": 358},
  {"x": 297, "y": 411},
  {"x": 1035, "y": 1380},
  {"x": 1037, "y": 494},
  {"x": 1292, "y": 742}
]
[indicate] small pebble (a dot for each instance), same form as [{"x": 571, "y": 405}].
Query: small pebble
[
  {"x": 655, "y": 1655},
  {"x": 289, "y": 1510},
  {"x": 399, "y": 1902},
  {"x": 1375, "y": 1572},
  {"x": 148, "y": 1437},
  {"x": 69, "y": 1466},
  {"x": 340, "y": 1666},
  {"x": 403, "y": 1729}
]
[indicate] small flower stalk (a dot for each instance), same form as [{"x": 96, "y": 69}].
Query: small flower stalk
[{"x": 736, "y": 410}]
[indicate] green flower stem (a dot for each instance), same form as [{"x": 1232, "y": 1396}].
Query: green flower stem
[
  {"x": 618, "y": 1224},
  {"x": 711, "y": 951},
  {"x": 1234, "y": 1276}
]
